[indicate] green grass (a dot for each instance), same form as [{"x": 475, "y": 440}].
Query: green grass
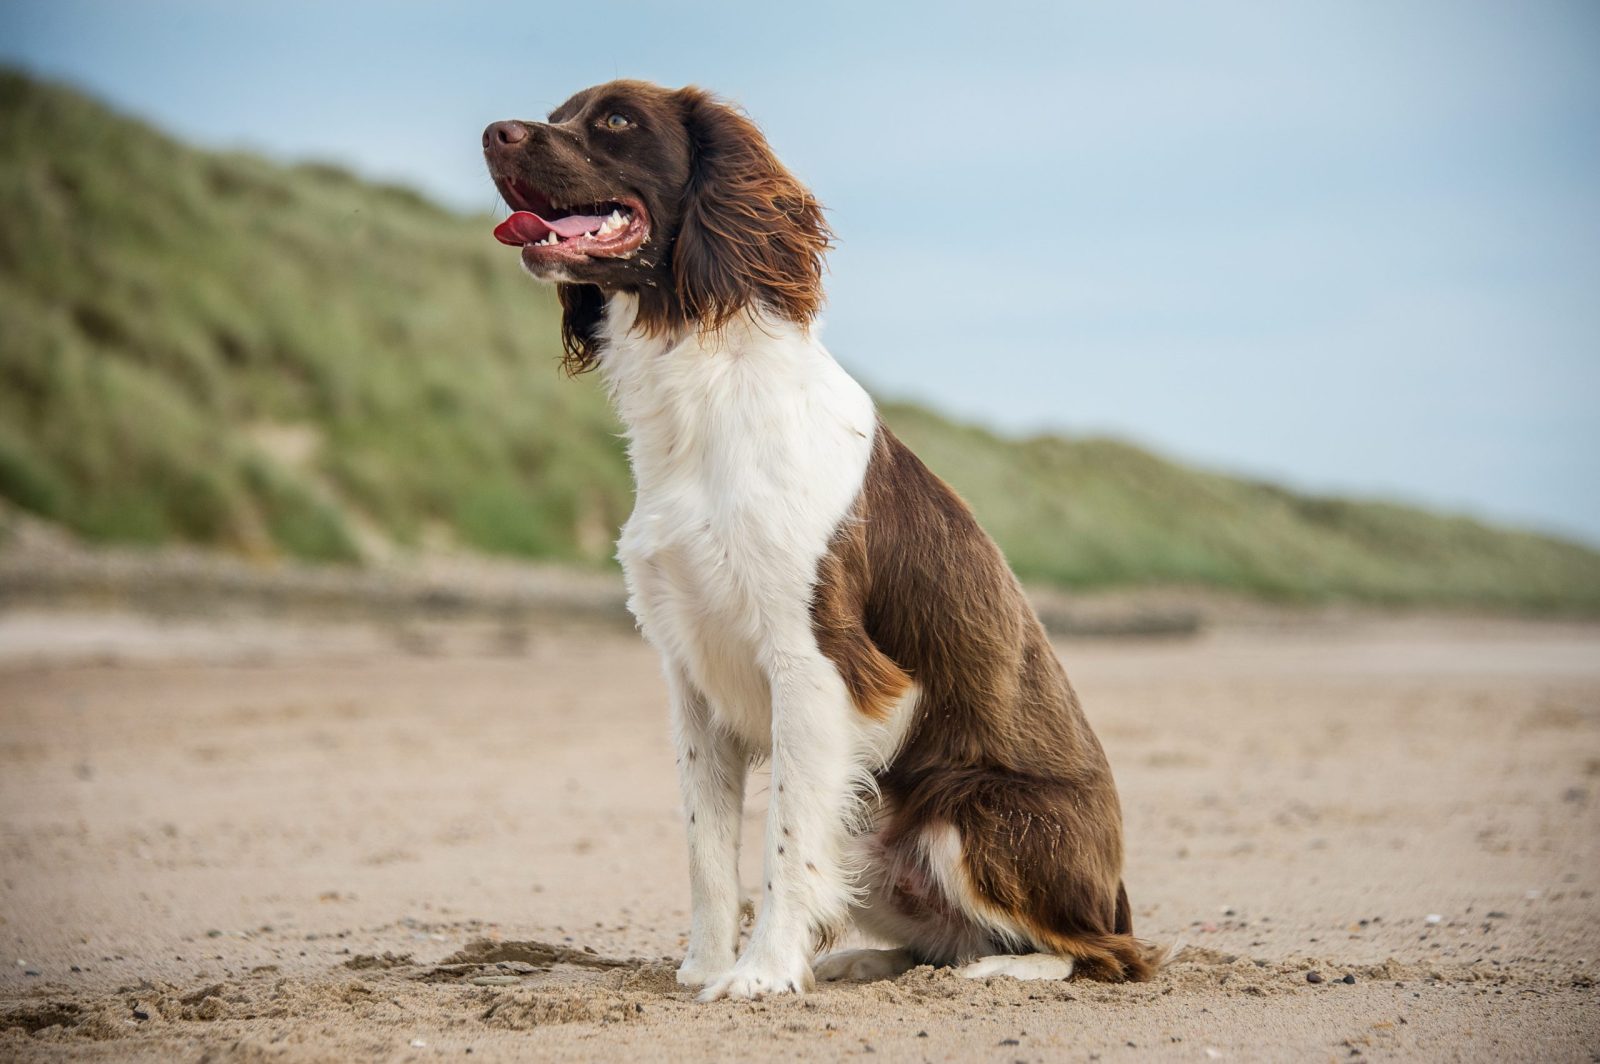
[
  {"x": 168, "y": 316},
  {"x": 1100, "y": 513},
  {"x": 163, "y": 306}
]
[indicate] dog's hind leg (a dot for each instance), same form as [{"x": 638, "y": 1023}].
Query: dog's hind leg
[
  {"x": 712, "y": 765},
  {"x": 1034, "y": 867}
]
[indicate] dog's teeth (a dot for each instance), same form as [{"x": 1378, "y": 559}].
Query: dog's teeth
[{"x": 615, "y": 219}]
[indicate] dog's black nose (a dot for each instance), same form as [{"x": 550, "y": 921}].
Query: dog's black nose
[{"x": 504, "y": 134}]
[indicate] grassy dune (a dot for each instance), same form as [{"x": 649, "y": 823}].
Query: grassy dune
[
  {"x": 212, "y": 348},
  {"x": 209, "y": 347},
  {"x": 1098, "y": 512}
]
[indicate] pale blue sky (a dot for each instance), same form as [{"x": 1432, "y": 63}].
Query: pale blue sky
[{"x": 1353, "y": 246}]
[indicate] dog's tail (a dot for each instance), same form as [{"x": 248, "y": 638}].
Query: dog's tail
[
  {"x": 1117, "y": 957},
  {"x": 1110, "y": 958}
]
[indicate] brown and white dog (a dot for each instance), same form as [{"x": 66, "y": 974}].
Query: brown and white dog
[{"x": 818, "y": 597}]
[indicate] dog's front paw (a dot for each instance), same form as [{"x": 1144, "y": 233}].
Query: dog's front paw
[
  {"x": 697, "y": 972},
  {"x": 750, "y": 980}
]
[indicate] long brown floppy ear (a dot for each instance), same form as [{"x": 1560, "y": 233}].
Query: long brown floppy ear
[
  {"x": 582, "y": 307},
  {"x": 751, "y": 233}
]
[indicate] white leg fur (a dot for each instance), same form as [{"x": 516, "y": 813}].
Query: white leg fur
[
  {"x": 712, "y": 766},
  {"x": 815, "y": 772},
  {"x": 1023, "y": 966},
  {"x": 748, "y": 449},
  {"x": 864, "y": 964}
]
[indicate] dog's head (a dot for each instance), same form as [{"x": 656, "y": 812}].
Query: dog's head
[{"x": 671, "y": 195}]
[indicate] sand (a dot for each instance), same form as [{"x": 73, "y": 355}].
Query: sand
[{"x": 273, "y": 840}]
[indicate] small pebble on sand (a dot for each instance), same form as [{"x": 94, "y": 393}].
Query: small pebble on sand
[
  {"x": 1348, "y": 980},
  {"x": 1313, "y": 977}
]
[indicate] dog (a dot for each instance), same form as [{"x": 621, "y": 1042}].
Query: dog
[{"x": 818, "y": 597}]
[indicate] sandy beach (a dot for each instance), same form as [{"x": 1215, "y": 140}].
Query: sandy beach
[{"x": 259, "y": 840}]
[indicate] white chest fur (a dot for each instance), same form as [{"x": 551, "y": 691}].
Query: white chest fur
[{"x": 748, "y": 449}]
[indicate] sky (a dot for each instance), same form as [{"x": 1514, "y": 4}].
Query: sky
[{"x": 1352, "y": 247}]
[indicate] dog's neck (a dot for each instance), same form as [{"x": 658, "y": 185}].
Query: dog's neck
[
  {"x": 622, "y": 341},
  {"x": 617, "y": 328},
  {"x": 681, "y": 394},
  {"x": 635, "y": 362}
]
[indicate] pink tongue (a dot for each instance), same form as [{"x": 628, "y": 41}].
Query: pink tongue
[{"x": 525, "y": 227}]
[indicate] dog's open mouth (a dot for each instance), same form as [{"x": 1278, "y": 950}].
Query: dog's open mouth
[{"x": 544, "y": 231}]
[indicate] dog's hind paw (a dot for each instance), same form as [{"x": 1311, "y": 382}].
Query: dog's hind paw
[
  {"x": 1019, "y": 966},
  {"x": 864, "y": 964}
]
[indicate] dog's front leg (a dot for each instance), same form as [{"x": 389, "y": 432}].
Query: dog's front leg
[
  {"x": 711, "y": 772},
  {"x": 813, "y": 778}
]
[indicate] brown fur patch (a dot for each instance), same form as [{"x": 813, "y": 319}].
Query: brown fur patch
[
  {"x": 875, "y": 682},
  {"x": 912, "y": 588}
]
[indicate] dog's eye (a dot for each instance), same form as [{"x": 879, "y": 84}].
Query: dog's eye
[{"x": 617, "y": 121}]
